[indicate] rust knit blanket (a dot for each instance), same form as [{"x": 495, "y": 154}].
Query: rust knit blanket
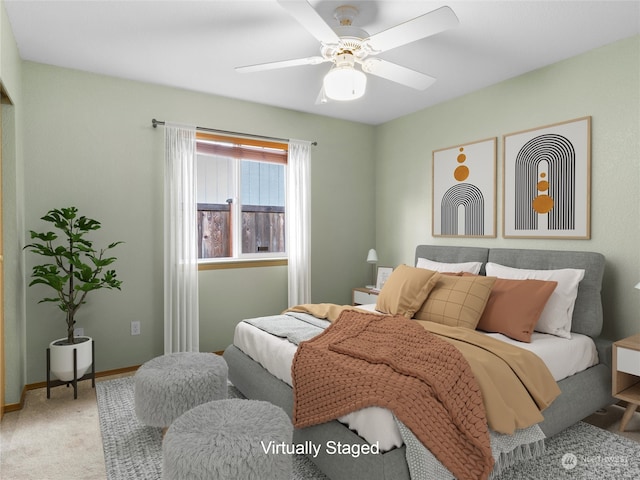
[{"x": 365, "y": 360}]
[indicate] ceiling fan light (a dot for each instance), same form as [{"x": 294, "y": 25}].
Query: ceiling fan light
[{"x": 344, "y": 83}]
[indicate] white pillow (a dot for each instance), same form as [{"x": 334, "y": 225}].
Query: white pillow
[
  {"x": 556, "y": 316},
  {"x": 470, "y": 267}
]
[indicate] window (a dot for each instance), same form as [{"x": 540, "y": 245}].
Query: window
[{"x": 241, "y": 198}]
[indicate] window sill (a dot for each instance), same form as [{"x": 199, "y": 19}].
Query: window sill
[{"x": 248, "y": 263}]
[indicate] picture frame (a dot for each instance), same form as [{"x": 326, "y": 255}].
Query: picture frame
[
  {"x": 464, "y": 181},
  {"x": 382, "y": 276},
  {"x": 547, "y": 181}
]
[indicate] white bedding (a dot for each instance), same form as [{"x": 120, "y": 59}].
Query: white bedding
[{"x": 564, "y": 357}]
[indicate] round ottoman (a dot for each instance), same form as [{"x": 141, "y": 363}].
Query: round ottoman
[
  {"x": 167, "y": 386},
  {"x": 229, "y": 439}
]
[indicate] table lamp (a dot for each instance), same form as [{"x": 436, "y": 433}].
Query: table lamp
[{"x": 372, "y": 258}]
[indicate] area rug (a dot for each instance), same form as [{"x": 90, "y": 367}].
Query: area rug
[
  {"x": 133, "y": 451},
  {"x": 583, "y": 451}
]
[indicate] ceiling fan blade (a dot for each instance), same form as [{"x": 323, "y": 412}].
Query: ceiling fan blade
[
  {"x": 305, "y": 14},
  {"x": 397, "y": 73},
  {"x": 420, "y": 27},
  {"x": 282, "y": 64}
]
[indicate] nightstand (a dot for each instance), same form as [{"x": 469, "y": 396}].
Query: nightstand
[
  {"x": 626, "y": 375},
  {"x": 363, "y": 296}
]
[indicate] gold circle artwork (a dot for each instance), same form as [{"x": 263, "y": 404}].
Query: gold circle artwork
[
  {"x": 543, "y": 203},
  {"x": 461, "y": 172}
]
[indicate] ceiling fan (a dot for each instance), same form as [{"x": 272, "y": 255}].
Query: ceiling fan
[{"x": 347, "y": 45}]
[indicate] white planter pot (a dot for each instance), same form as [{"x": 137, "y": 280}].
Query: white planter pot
[{"x": 61, "y": 357}]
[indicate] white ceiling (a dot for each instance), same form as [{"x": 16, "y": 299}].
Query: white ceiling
[{"x": 195, "y": 45}]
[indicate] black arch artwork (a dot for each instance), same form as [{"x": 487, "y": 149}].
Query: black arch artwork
[
  {"x": 559, "y": 154},
  {"x": 471, "y": 199}
]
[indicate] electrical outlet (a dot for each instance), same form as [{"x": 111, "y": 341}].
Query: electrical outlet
[
  {"x": 78, "y": 332},
  {"x": 135, "y": 328}
]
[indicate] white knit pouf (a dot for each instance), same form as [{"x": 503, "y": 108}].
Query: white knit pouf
[
  {"x": 229, "y": 439},
  {"x": 168, "y": 386}
]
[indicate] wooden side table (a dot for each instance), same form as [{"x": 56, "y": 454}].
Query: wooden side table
[
  {"x": 363, "y": 296},
  {"x": 626, "y": 375}
]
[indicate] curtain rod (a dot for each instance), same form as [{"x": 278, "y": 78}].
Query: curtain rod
[{"x": 155, "y": 124}]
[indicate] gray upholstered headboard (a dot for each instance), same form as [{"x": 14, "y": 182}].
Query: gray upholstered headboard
[{"x": 587, "y": 314}]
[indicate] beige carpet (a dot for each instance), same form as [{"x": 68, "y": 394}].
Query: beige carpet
[
  {"x": 56, "y": 438},
  {"x": 59, "y": 438}
]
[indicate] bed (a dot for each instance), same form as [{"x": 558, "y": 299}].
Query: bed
[{"x": 582, "y": 392}]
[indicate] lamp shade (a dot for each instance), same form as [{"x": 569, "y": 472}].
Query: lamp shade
[
  {"x": 372, "y": 257},
  {"x": 344, "y": 83},
  {"x": 638, "y": 286}
]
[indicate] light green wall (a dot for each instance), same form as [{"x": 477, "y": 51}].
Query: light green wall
[
  {"x": 603, "y": 83},
  {"x": 91, "y": 144},
  {"x": 229, "y": 295},
  {"x": 14, "y": 347}
]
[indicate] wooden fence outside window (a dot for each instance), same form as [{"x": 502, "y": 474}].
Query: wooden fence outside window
[{"x": 263, "y": 230}]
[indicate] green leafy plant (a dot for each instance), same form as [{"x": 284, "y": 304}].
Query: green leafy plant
[{"x": 75, "y": 267}]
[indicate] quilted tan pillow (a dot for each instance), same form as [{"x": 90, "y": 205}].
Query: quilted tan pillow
[
  {"x": 457, "y": 301},
  {"x": 405, "y": 290},
  {"x": 515, "y": 306}
]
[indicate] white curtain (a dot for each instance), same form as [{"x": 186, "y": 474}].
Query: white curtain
[
  {"x": 181, "y": 319},
  {"x": 298, "y": 223}
]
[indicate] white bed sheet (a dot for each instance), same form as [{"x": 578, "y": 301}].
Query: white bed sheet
[
  {"x": 564, "y": 357},
  {"x": 275, "y": 354}
]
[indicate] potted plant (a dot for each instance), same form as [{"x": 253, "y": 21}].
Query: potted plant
[{"x": 74, "y": 268}]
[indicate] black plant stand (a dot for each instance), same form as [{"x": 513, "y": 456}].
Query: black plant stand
[{"x": 74, "y": 382}]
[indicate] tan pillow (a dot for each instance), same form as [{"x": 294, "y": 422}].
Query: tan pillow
[
  {"x": 405, "y": 290},
  {"x": 515, "y": 306},
  {"x": 457, "y": 301}
]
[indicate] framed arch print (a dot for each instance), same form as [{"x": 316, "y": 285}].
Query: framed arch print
[
  {"x": 547, "y": 181},
  {"x": 464, "y": 190}
]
